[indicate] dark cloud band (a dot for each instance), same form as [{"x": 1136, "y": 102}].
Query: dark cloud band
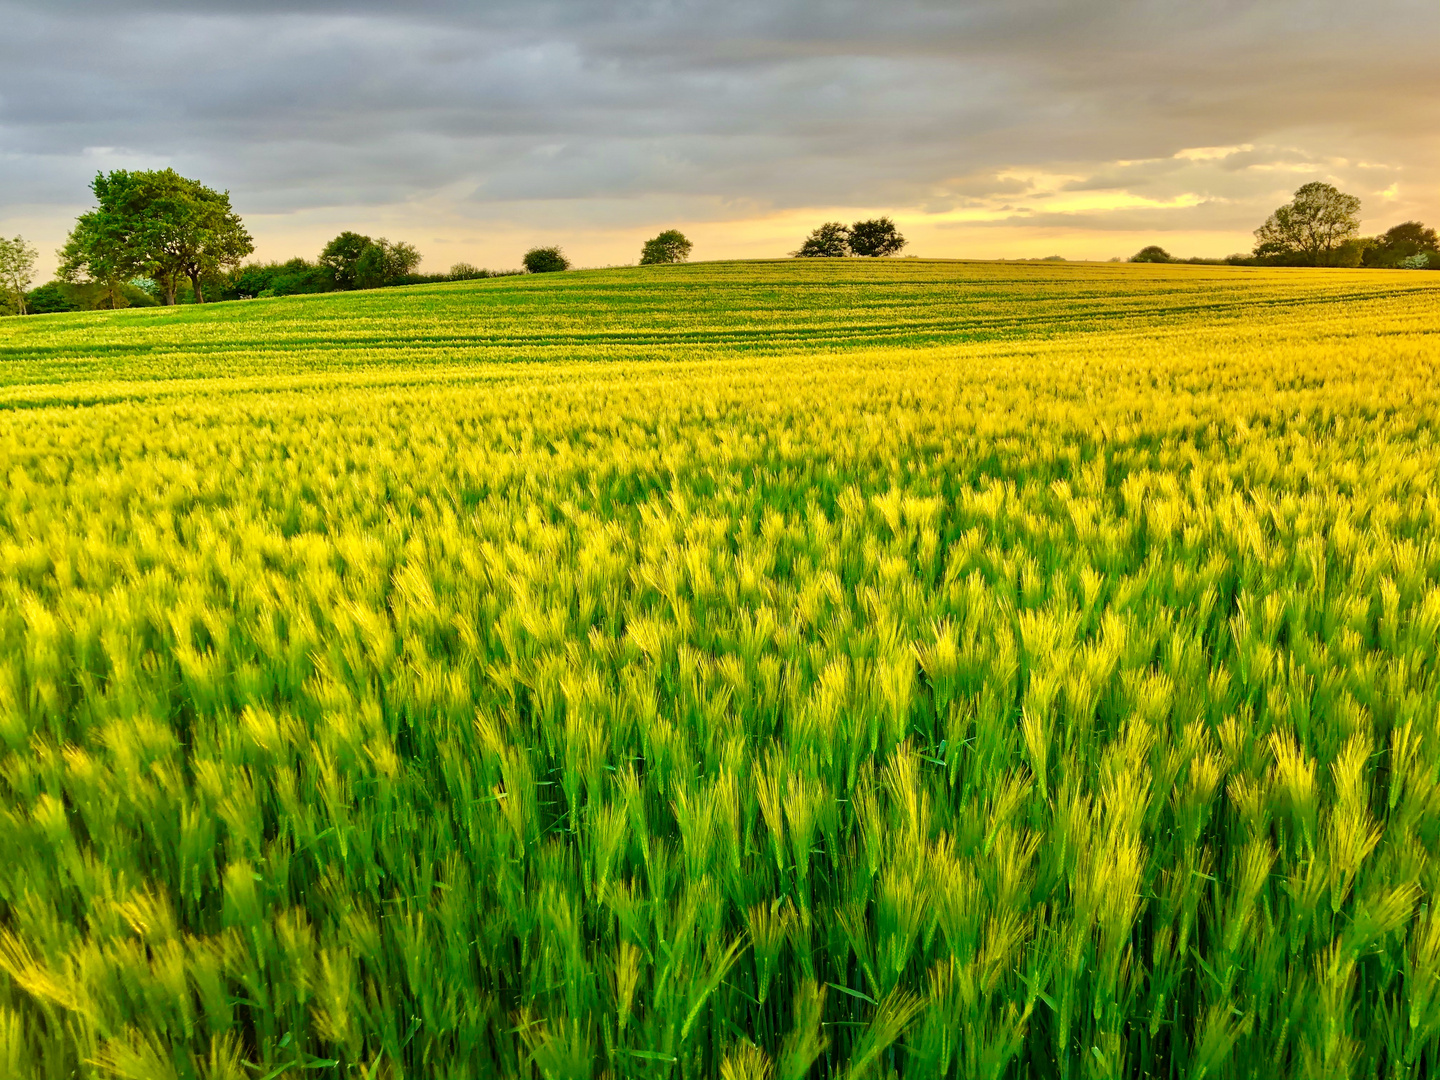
[{"x": 773, "y": 104}]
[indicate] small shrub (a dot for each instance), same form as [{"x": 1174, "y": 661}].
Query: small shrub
[{"x": 1153, "y": 253}]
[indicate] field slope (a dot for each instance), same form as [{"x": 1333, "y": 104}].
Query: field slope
[{"x": 758, "y": 670}]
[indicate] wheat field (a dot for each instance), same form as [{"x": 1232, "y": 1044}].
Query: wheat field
[{"x": 776, "y": 670}]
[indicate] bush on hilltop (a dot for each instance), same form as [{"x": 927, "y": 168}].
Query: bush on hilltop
[
  {"x": 671, "y": 246},
  {"x": 1152, "y": 253},
  {"x": 545, "y": 260},
  {"x": 875, "y": 238}
]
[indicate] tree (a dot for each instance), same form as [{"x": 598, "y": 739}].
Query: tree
[
  {"x": 1153, "y": 253},
  {"x": 829, "y": 241},
  {"x": 464, "y": 271},
  {"x": 1309, "y": 230},
  {"x": 875, "y": 238},
  {"x": 158, "y": 224},
  {"x": 98, "y": 252},
  {"x": 671, "y": 246},
  {"x": 545, "y": 260},
  {"x": 49, "y": 298},
  {"x": 384, "y": 263},
  {"x": 278, "y": 279},
  {"x": 206, "y": 237},
  {"x": 17, "y": 269},
  {"x": 1401, "y": 242},
  {"x": 341, "y": 256}
]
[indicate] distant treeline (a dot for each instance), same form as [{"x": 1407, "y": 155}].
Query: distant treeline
[
  {"x": 244, "y": 283},
  {"x": 1321, "y": 227},
  {"x": 350, "y": 261},
  {"x": 157, "y": 237},
  {"x": 160, "y": 238}
]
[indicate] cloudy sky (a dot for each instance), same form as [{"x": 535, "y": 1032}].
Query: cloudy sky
[{"x": 475, "y": 128}]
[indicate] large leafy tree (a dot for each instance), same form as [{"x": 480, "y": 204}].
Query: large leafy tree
[
  {"x": 158, "y": 224},
  {"x": 99, "y": 252},
  {"x": 342, "y": 255},
  {"x": 1311, "y": 229},
  {"x": 829, "y": 241},
  {"x": 671, "y": 246},
  {"x": 358, "y": 262},
  {"x": 1401, "y": 242},
  {"x": 17, "y": 270},
  {"x": 385, "y": 263},
  {"x": 875, "y": 238}
]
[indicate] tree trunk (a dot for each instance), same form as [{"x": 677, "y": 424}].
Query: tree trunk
[{"x": 199, "y": 291}]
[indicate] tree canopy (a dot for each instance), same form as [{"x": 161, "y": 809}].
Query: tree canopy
[
  {"x": 875, "y": 238},
  {"x": 356, "y": 261},
  {"x": 834, "y": 240},
  {"x": 99, "y": 252},
  {"x": 1151, "y": 253},
  {"x": 385, "y": 263},
  {"x": 342, "y": 255},
  {"x": 1312, "y": 229},
  {"x": 829, "y": 241},
  {"x": 1402, "y": 243},
  {"x": 158, "y": 224},
  {"x": 545, "y": 260},
  {"x": 671, "y": 246},
  {"x": 17, "y": 269}
]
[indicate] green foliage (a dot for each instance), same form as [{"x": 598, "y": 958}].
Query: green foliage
[
  {"x": 58, "y": 296},
  {"x": 384, "y": 263},
  {"x": 350, "y": 261},
  {"x": 1029, "y": 671},
  {"x": 545, "y": 260},
  {"x": 342, "y": 256},
  {"x": 1152, "y": 253},
  {"x": 100, "y": 251},
  {"x": 17, "y": 270},
  {"x": 875, "y": 238},
  {"x": 1401, "y": 242},
  {"x": 670, "y": 246},
  {"x": 298, "y": 276},
  {"x": 51, "y": 297},
  {"x": 156, "y": 224},
  {"x": 1312, "y": 229},
  {"x": 829, "y": 241}
]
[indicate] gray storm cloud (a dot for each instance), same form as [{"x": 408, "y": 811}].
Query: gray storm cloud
[{"x": 752, "y": 106}]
